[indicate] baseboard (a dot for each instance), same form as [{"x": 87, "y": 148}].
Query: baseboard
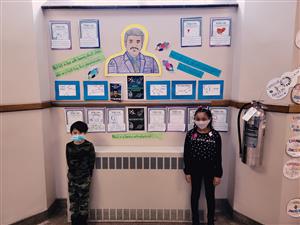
[
  {"x": 244, "y": 219},
  {"x": 222, "y": 206},
  {"x": 238, "y": 217},
  {"x": 57, "y": 205}
]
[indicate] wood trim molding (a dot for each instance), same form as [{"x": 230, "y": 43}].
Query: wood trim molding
[
  {"x": 24, "y": 107},
  {"x": 269, "y": 108},
  {"x": 136, "y": 103},
  {"x": 221, "y": 103}
]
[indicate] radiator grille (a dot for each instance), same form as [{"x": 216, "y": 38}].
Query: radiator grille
[
  {"x": 183, "y": 215},
  {"x": 139, "y": 163}
]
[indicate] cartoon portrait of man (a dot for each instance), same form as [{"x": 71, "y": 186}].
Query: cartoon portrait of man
[{"x": 133, "y": 59}]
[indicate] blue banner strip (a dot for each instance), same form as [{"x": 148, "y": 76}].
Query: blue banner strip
[
  {"x": 194, "y": 63},
  {"x": 190, "y": 70}
]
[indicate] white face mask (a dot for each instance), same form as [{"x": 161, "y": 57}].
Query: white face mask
[{"x": 202, "y": 124}]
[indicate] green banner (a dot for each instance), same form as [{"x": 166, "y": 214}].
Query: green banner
[
  {"x": 78, "y": 62},
  {"x": 148, "y": 135}
]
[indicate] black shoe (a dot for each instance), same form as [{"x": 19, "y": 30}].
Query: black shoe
[
  {"x": 75, "y": 220},
  {"x": 83, "y": 220}
]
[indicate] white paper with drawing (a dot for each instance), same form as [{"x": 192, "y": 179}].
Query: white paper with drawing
[
  {"x": 157, "y": 120},
  {"x": 89, "y": 34},
  {"x": 211, "y": 89},
  {"x": 96, "y": 90},
  {"x": 60, "y": 36},
  {"x": 96, "y": 120},
  {"x": 191, "y": 32},
  {"x": 191, "y": 118},
  {"x": 116, "y": 120},
  {"x": 184, "y": 89},
  {"x": 176, "y": 120},
  {"x": 158, "y": 90},
  {"x": 67, "y": 90},
  {"x": 73, "y": 116},
  {"x": 219, "y": 119}
]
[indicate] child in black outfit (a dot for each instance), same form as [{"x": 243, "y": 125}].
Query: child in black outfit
[
  {"x": 80, "y": 155},
  {"x": 203, "y": 160}
]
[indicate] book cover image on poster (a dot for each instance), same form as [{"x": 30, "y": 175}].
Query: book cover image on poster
[
  {"x": 136, "y": 119},
  {"x": 115, "y": 92},
  {"x": 135, "y": 86}
]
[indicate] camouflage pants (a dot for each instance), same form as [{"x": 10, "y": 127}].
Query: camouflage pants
[{"x": 79, "y": 196}]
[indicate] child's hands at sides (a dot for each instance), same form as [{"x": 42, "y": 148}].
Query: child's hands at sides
[
  {"x": 217, "y": 181},
  {"x": 188, "y": 178}
]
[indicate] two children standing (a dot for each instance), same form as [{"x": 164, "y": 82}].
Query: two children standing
[{"x": 202, "y": 159}]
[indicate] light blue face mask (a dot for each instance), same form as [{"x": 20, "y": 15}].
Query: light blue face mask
[{"x": 77, "y": 138}]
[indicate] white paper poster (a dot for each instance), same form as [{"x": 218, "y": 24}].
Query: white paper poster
[
  {"x": 293, "y": 147},
  {"x": 72, "y": 116},
  {"x": 191, "y": 113},
  {"x": 158, "y": 90},
  {"x": 60, "y": 35},
  {"x": 96, "y": 90},
  {"x": 293, "y": 208},
  {"x": 211, "y": 89},
  {"x": 219, "y": 121},
  {"x": 220, "y": 32},
  {"x": 67, "y": 90},
  {"x": 184, "y": 89},
  {"x": 157, "y": 120},
  {"x": 191, "y": 32},
  {"x": 291, "y": 169},
  {"x": 176, "y": 119},
  {"x": 116, "y": 120},
  {"x": 95, "y": 120},
  {"x": 89, "y": 34}
]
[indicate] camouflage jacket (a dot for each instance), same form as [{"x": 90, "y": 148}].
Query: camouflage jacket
[{"x": 80, "y": 159}]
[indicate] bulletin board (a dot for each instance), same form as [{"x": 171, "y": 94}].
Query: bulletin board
[{"x": 196, "y": 61}]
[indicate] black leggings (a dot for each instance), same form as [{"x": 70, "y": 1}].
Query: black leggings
[{"x": 209, "y": 194}]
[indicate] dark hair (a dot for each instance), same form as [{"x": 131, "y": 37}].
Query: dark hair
[
  {"x": 82, "y": 127},
  {"x": 207, "y": 112}
]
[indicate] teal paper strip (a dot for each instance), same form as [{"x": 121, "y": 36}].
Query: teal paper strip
[
  {"x": 194, "y": 63},
  {"x": 190, "y": 70}
]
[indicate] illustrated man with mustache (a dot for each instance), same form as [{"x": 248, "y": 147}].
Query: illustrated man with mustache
[{"x": 133, "y": 61}]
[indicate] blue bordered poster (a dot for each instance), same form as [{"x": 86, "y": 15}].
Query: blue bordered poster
[
  {"x": 191, "y": 32},
  {"x": 95, "y": 90},
  {"x": 184, "y": 89},
  {"x": 89, "y": 33},
  {"x": 67, "y": 90},
  {"x": 158, "y": 90},
  {"x": 60, "y": 32},
  {"x": 210, "y": 89}
]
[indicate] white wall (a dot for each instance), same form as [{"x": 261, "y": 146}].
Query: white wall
[
  {"x": 35, "y": 140},
  {"x": 27, "y": 138},
  {"x": 264, "y": 50}
]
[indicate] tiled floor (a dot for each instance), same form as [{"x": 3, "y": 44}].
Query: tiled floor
[{"x": 61, "y": 219}]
